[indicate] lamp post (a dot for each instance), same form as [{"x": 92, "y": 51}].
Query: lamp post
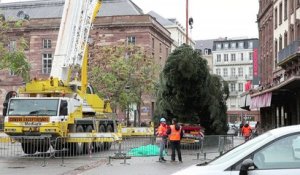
[{"x": 187, "y": 22}]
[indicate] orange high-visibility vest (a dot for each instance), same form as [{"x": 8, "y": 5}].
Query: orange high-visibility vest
[
  {"x": 246, "y": 131},
  {"x": 175, "y": 135},
  {"x": 162, "y": 130}
]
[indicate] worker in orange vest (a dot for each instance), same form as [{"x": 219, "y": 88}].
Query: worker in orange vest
[
  {"x": 162, "y": 134},
  {"x": 246, "y": 131},
  {"x": 175, "y": 134}
]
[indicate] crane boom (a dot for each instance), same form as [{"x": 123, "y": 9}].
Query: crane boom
[{"x": 72, "y": 42}]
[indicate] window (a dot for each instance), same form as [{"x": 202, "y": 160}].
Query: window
[
  {"x": 250, "y": 44},
  {"x": 242, "y": 57},
  {"x": 280, "y": 43},
  {"x": 46, "y": 63},
  {"x": 12, "y": 73},
  {"x": 47, "y": 44},
  {"x": 218, "y": 57},
  {"x": 160, "y": 50},
  {"x": 241, "y": 87},
  {"x": 131, "y": 40},
  {"x": 241, "y": 45},
  {"x": 225, "y": 57},
  {"x": 250, "y": 56},
  {"x": 285, "y": 40},
  {"x": 233, "y": 45},
  {"x": 240, "y": 72},
  {"x": 232, "y": 87},
  {"x": 285, "y": 9},
  {"x": 233, "y": 57},
  {"x": 12, "y": 46},
  {"x": 226, "y": 45},
  {"x": 251, "y": 71},
  {"x": 276, "y": 17},
  {"x": 218, "y": 46},
  {"x": 291, "y": 6},
  {"x": 218, "y": 71},
  {"x": 280, "y": 13},
  {"x": 276, "y": 49},
  {"x": 232, "y": 103},
  {"x": 153, "y": 43},
  {"x": 205, "y": 51},
  {"x": 225, "y": 72},
  {"x": 167, "y": 52},
  {"x": 233, "y": 72},
  {"x": 287, "y": 148}
]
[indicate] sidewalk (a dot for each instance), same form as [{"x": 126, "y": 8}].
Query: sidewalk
[
  {"x": 143, "y": 165},
  {"x": 150, "y": 165}
]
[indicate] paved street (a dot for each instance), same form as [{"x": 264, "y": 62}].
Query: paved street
[{"x": 95, "y": 165}]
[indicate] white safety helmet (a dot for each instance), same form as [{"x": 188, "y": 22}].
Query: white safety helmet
[{"x": 162, "y": 120}]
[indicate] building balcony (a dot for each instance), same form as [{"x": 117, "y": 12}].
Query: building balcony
[
  {"x": 248, "y": 77},
  {"x": 233, "y": 93},
  {"x": 231, "y": 78},
  {"x": 289, "y": 53}
]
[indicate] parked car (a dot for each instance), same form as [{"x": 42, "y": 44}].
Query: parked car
[{"x": 275, "y": 152}]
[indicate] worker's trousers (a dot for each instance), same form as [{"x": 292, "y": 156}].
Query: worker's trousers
[{"x": 175, "y": 145}]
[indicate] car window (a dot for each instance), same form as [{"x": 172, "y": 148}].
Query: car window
[
  {"x": 284, "y": 153},
  {"x": 240, "y": 149}
]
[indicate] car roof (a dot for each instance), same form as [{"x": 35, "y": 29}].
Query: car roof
[{"x": 285, "y": 130}]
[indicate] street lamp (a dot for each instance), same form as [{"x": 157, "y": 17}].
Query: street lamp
[{"x": 188, "y": 21}]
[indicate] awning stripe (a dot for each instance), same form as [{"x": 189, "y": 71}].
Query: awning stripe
[{"x": 261, "y": 101}]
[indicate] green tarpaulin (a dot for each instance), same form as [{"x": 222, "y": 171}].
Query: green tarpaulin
[{"x": 143, "y": 151}]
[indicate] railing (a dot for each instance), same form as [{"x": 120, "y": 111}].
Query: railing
[
  {"x": 231, "y": 78},
  {"x": 288, "y": 51},
  {"x": 62, "y": 149}
]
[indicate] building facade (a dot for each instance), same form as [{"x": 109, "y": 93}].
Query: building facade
[
  {"x": 119, "y": 21},
  {"x": 205, "y": 47},
  {"x": 282, "y": 87},
  {"x": 233, "y": 61}
]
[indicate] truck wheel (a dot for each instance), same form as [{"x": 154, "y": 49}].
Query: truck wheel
[
  {"x": 107, "y": 145},
  {"x": 76, "y": 148},
  {"x": 29, "y": 148},
  {"x": 88, "y": 147},
  {"x": 43, "y": 146},
  {"x": 99, "y": 146}
]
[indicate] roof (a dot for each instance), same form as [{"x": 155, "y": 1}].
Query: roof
[
  {"x": 54, "y": 8},
  {"x": 204, "y": 44},
  {"x": 163, "y": 21}
]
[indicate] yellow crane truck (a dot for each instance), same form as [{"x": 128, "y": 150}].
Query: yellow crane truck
[{"x": 64, "y": 108}]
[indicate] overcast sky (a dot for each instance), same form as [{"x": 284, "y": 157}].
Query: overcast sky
[{"x": 212, "y": 18}]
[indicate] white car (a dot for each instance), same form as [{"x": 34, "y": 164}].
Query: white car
[{"x": 272, "y": 153}]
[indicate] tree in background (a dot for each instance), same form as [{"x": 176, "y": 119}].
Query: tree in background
[
  {"x": 187, "y": 90},
  {"x": 122, "y": 74},
  {"x": 13, "y": 57}
]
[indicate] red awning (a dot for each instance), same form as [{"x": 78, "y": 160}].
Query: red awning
[{"x": 261, "y": 101}]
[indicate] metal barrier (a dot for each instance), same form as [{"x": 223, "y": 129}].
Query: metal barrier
[
  {"x": 62, "y": 149},
  {"x": 216, "y": 145}
]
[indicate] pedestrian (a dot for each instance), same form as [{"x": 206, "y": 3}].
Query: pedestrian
[
  {"x": 246, "y": 132},
  {"x": 241, "y": 127},
  {"x": 162, "y": 137},
  {"x": 175, "y": 134}
]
